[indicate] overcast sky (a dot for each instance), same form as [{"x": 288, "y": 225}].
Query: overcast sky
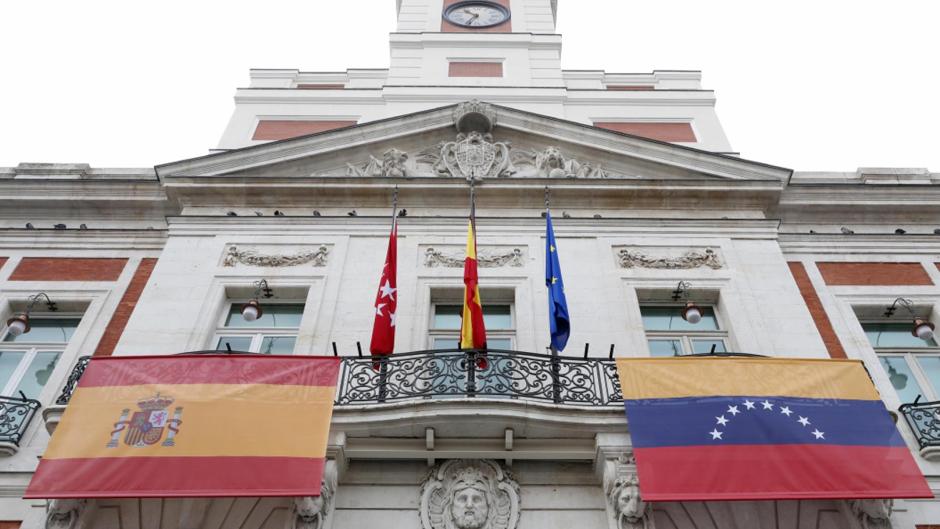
[{"x": 810, "y": 85}]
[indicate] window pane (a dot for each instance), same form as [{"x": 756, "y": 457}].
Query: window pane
[
  {"x": 451, "y": 343},
  {"x": 499, "y": 343},
  {"x": 931, "y": 367},
  {"x": 278, "y": 345},
  {"x": 37, "y": 374},
  {"x": 901, "y": 377},
  {"x": 445, "y": 343},
  {"x": 665, "y": 347},
  {"x": 705, "y": 346},
  {"x": 894, "y": 335},
  {"x": 670, "y": 319},
  {"x": 284, "y": 315},
  {"x": 494, "y": 316},
  {"x": 46, "y": 330},
  {"x": 237, "y": 343},
  {"x": 9, "y": 361}
]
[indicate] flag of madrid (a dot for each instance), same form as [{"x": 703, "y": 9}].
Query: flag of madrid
[{"x": 383, "y": 330}]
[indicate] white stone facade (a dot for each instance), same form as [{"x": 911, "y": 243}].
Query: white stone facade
[{"x": 646, "y": 216}]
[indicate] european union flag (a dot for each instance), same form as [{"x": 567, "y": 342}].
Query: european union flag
[{"x": 557, "y": 305}]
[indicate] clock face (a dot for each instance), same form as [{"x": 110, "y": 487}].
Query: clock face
[{"x": 476, "y": 14}]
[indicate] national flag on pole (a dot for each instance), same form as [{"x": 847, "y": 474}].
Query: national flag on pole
[
  {"x": 192, "y": 426},
  {"x": 558, "y": 319},
  {"x": 472, "y": 330},
  {"x": 386, "y": 302},
  {"x": 733, "y": 428}
]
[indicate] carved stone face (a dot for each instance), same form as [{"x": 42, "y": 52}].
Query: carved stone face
[
  {"x": 553, "y": 158},
  {"x": 309, "y": 505},
  {"x": 469, "y": 508},
  {"x": 629, "y": 503}
]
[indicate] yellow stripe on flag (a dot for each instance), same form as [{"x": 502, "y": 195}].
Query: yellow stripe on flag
[
  {"x": 665, "y": 378},
  {"x": 471, "y": 241},
  {"x": 217, "y": 420}
]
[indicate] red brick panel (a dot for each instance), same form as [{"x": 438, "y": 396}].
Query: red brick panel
[
  {"x": 3, "y": 261},
  {"x": 932, "y": 526},
  {"x": 823, "y": 325},
  {"x": 654, "y": 131},
  {"x": 631, "y": 87},
  {"x": 10, "y": 525},
  {"x": 874, "y": 274},
  {"x": 448, "y": 27},
  {"x": 320, "y": 86},
  {"x": 125, "y": 308},
  {"x": 67, "y": 269},
  {"x": 281, "y": 129},
  {"x": 475, "y": 69}
]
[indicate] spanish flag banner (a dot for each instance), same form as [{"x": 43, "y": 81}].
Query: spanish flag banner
[
  {"x": 472, "y": 331},
  {"x": 735, "y": 428},
  {"x": 192, "y": 426}
]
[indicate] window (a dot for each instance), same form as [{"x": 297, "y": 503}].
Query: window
[
  {"x": 912, "y": 364},
  {"x": 27, "y": 360},
  {"x": 275, "y": 332},
  {"x": 497, "y": 317},
  {"x": 670, "y": 335}
]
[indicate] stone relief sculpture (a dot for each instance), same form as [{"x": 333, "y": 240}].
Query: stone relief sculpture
[
  {"x": 434, "y": 258},
  {"x": 474, "y": 156},
  {"x": 69, "y": 514},
  {"x": 393, "y": 164},
  {"x": 313, "y": 512},
  {"x": 251, "y": 257},
  {"x": 622, "y": 489},
  {"x": 872, "y": 514},
  {"x": 629, "y": 258},
  {"x": 469, "y": 494}
]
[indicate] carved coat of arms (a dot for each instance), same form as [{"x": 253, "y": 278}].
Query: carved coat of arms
[
  {"x": 474, "y": 155},
  {"x": 147, "y": 426}
]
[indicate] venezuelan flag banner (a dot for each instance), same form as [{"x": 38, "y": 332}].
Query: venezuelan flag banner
[
  {"x": 472, "y": 330},
  {"x": 734, "y": 428},
  {"x": 192, "y": 426}
]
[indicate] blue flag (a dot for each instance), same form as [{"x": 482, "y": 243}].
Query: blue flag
[{"x": 557, "y": 305}]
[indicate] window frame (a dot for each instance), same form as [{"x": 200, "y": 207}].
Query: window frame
[
  {"x": 255, "y": 334},
  {"x": 686, "y": 337},
  {"x": 32, "y": 350},
  {"x": 435, "y": 333},
  {"x": 909, "y": 354}
]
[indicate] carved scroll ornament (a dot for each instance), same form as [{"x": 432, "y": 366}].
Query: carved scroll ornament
[
  {"x": 434, "y": 258},
  {"x": 250, "y": 257},
  {"x": 691, "y": 259},
  {"x": 469, "y": 494}
]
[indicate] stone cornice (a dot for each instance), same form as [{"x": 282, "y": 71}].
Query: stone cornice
[
  {"x": 95, "y": 239},
  {"x": 860, "y": 244}
]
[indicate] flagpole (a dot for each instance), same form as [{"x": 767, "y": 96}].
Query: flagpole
[
  {"x": 383, "y": 359},
  {"x": 556, "y": 367}
]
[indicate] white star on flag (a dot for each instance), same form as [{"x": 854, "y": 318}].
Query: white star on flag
[
  {"x": 392, "y": 317},
  {"x": 767, "y": 405},
  {"x": 378, "y": 309},
  {"x": 786, "y": 410},
  {"x": 818, "y": 434},
  {"x": 733, "y": 410},
  {"x": 387, "y": 290},
  {"x": 749, "y": 404},
  {"x": 721, "y": 420},
  {"x": 715, "y": 434},
  {"x": 804, "y": 421}
]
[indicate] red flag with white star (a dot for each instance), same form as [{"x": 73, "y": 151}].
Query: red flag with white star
[{"x": 386, "y": 303}]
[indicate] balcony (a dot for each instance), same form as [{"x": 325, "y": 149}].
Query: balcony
[
  {"x": 451, "y": 373},
  {"x": 923, "y": 418},
  {"x": 15, "y": 416}
]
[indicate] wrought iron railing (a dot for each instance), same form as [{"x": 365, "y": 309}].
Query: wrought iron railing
[
  {"x": 15, "y": 416},
  {"x": 924, "y": 420},
  {"x": 444, "y": 373},
  {"x": 491, "y": 373}
]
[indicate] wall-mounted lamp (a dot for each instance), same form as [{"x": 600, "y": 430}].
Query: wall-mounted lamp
[
  {"x": 19, "y": 323},
  {"x": 922, "y": 328},
  {"x": 691, "y": 312},
  {"x": 251, "y": 311}
]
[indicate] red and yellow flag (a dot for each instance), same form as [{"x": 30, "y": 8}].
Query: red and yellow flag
[
  {"x": 472, "y": 330},
  {"x": 192, "y": 426}
]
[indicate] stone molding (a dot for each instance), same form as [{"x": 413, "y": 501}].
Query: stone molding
[
  {"x": 70, "y": 514},
  {"x": 316, "y": 512},
  {"x": 251, "y": 256},
  {"x": 872, "y": 514},
  {"x": 453, "y": 257},
  {"x": 469, "y": 494},
  {"x": 625, "y": 508},
  {"x": 665, "y": 258}
]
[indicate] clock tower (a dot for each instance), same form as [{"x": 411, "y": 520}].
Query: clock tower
[{"x": 486, "y": 43}]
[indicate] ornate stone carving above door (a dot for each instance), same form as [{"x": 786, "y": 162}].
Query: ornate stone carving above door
[
  {"x": 268, "y": 256},
  {"x": 452, "y": 256},
  {"x": 469, "y": 494},
  {"x": 668, "y": 258}
]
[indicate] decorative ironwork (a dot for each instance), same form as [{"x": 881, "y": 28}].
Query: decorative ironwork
[
  {"x": 479, "y": 373},
  {"x": 72, "y": 382},
  {"x": 15, "y": 415},
  {"x": 924, "y": 420}
]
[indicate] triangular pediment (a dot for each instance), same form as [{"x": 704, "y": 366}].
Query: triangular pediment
[{"x": 522, "y": 145}]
